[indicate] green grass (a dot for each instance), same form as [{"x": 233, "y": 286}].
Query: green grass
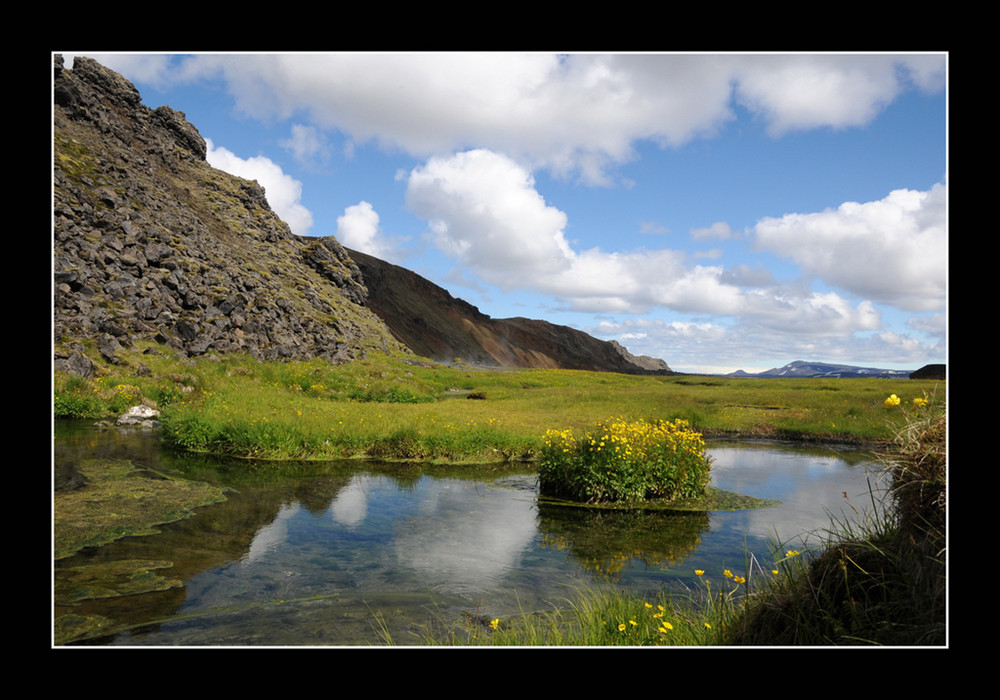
[
  {"x": 881, "y": 582},
  {"x": 390, "y": 408}
]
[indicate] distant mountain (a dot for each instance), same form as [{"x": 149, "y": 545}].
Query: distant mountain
[{"x": 800, "y": 368}]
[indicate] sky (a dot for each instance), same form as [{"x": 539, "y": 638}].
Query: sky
[{"x": 716, "y": 211}]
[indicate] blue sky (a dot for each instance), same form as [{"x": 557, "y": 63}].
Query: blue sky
[{"x": 718, "y": 211}]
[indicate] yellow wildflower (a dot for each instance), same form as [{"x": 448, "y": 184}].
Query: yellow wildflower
[
  {"x": 621, "y": 627},
  {"x": 495, "y": 624},
  {"x": 892, "y": 401},
  {"x": 727, "y": 573},
  {"x": 699, "y": 572}
]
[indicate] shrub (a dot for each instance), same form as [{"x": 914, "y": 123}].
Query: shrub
[{"x": 626, "y": 462}]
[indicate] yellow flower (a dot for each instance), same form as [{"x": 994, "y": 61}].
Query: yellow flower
[
  {"x": 892, "y": 401},
  {"x": 774, "y": 571},
  {"x": 792, "y": 553},
  {"x": 727, "y": 573},
  {"x": 739, "y": 579},
  {"x": 918, "y": 402},
  {"x": 708, "y": 625},
  {"x": 495, "y": 624},
  {"x": 633, "y": 623},
  {"x": 648, "y": 605},
  {"x": 666, "y": 626},
  {"x": 699, "y": 572},
  {"x": 621, "y": 627}
]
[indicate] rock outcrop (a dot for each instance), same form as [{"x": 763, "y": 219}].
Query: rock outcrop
[
  {"x": 434, "y": 324},
  {"x": 930, "y": 372},
  {"x": 151, "y": 242}
]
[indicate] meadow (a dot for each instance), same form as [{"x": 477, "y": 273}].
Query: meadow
[
  {"x": 403, "y": 408},
  {"x": 878, "y": 582}
]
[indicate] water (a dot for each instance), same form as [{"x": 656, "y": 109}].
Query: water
[{"x": 315, "y": 554}]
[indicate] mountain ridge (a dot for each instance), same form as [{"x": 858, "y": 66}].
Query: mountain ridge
[
  {"x": 152, "y": 243},
  {"x": 435, "y": 324},
  {"x": 802, "y": 368}
]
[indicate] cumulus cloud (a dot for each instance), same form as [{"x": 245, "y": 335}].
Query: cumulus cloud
[
  {"x": 892, "y": 251},
  {"x": 483, "y": 210},
  {"x": 358, "y": 228},
  {"x": 576, "y": 115},
  {"x": 283, "y": 191},
  {"x": 714, "y": 346}
]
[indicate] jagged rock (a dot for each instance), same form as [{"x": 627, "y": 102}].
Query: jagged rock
[
  {"x": 151, "y": 242},
  {"x": 77, "y": 363}
]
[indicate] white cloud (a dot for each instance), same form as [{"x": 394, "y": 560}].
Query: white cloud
[
  {"x": 720, "y": 230},
  {"x": 283, "y": 191},
  {"x": 575, "y": 115},
  {"x": 483, "y": 210},
  {"x": 714, "y": 347},
  {"x": 359, "y": 229},
  {"x": 892, "y": 251},
  {"x": 308, "y": 145}
]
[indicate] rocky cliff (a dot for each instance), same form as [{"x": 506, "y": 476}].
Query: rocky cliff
[
  {"x": 150, "y": 241},
  {"x": 434, "y": 324}
]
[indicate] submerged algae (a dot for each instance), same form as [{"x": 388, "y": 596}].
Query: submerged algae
[{"x": 119, "y": 500}]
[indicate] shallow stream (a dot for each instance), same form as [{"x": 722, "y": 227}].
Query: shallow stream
[{"x": 341, "y": 553}]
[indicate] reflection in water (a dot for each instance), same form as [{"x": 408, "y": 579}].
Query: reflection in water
[
  {"x": 351, "y": 504},
  {"x": 303, "y": 554},
  {"x": 466, "y": 538},
  {"x": 271, "y": 536},
  {"x": 812, "y": 485},
  {"x": 607, "y": 542}
]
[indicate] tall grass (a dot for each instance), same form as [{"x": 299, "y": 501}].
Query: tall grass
[{"x": 881, "y": 578}]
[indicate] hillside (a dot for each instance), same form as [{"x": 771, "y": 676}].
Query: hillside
[
  {"x": 151, "y": 242},
  {"x": 434, "y": 324}
]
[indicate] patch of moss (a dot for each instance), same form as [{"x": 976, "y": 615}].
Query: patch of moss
[{"x": 120, "y": 500}]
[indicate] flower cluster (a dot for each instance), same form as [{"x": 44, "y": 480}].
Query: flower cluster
[
  {"x": 918, "y": 402},
  {"x": 625, "y": 461},
  {"x": 641, "y": 629}
]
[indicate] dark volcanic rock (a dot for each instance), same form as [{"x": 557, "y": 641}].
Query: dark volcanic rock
[
  {"x": 929, "y": 372},
  {"x": 152, "y": 242},
  {"x": 436, "y": 325}
]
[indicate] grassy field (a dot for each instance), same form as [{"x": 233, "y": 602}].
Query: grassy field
[
  {"x": 395, "y": 408},
  {"x": 883, "y": 584}
]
